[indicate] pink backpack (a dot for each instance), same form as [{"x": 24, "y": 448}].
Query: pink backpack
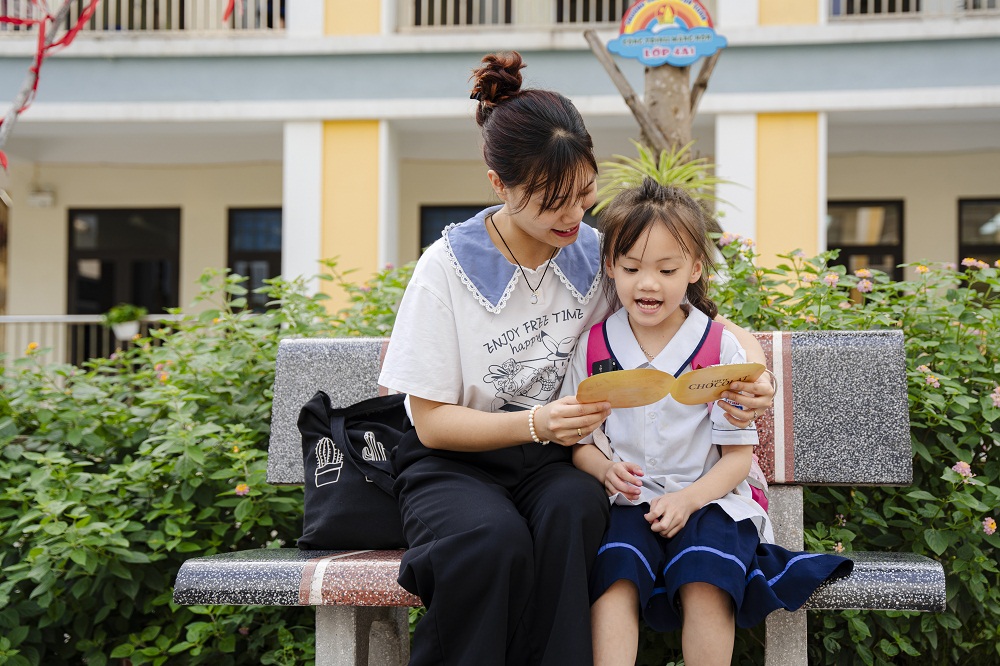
[{"x": 708, "y": 352}]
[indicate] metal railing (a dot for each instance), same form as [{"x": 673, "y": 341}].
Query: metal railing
[
  {"x": 878, "y": 9},
  {"x": 64, "y": 338},
  {"x": 164, "y": 16},
  {"x": 424, "y": 14}
]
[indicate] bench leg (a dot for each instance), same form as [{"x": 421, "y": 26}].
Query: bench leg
[
  {"x": 362, "y": 636},
  {"x": 786, "y": 637},
  {"x": 787, "y": 633}
]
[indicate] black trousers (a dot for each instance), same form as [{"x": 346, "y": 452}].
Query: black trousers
[{"x": 501, "y": 546}]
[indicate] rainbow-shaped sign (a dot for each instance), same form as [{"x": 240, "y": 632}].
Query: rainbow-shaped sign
[{"x": 673, "y": 32}]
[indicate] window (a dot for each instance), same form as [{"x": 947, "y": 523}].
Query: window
[
  {"x": 255, "y": 249},
  {"x": 433, "y": 220},
  {"x": 979, "y": 230},
  {"x": 123, "y": 256},
  {"x": 869, "y": 234}
]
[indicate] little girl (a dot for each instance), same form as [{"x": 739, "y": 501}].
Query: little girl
[{"x": 686, "y": 544}]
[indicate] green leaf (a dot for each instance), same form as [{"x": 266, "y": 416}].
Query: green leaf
[
  {"x": 936, "y": 540},
  {"x": 122, "y": 651}
]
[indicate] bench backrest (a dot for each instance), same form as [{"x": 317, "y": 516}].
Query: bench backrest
[{"x": 841, "y": 415}]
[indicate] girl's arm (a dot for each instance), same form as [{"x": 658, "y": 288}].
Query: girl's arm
[
  {"x": 617, "y": 477},
  {"x": 669, "y": 513},
  {"x": 455, "y": 428}
]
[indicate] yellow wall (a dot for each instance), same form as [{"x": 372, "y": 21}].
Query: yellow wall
[
  {"x": 349, "y": 17},
  {"x": 350, "y": 200},
  {"x": 38, "y": 236},
  {"x": 788, "y": 12},
  {"x": 787, "y": 184}
]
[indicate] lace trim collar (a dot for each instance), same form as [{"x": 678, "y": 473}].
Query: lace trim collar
[{"x": 491, "y": 278}]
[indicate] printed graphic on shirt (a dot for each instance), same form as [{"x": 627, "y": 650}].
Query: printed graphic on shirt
[
  {"x": 522, "y": 383},
  {"x": 329, "y": 462},
  {"x": 373, "y": 449}
]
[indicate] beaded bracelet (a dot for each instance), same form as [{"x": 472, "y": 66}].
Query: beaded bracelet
[{"x": 531, "y": 426}]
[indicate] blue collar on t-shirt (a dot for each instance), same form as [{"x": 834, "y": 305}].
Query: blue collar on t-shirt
[{"x": 490, "y": 273}]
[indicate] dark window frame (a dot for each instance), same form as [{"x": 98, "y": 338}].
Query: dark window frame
[
  {"x": 74, "y": 254},
  {"x": 272, "y": 257},
  {"x": 985, "y": 249},
  {"x": 896, "y": 251}
]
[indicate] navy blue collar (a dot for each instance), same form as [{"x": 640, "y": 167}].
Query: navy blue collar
[{"x": 490, "y": 276}]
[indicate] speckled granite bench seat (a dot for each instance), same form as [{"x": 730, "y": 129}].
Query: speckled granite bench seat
[{"x": 840, "y": 418}]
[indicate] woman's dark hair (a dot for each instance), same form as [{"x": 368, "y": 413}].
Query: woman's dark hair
[
  {"x": 534, "y": 139},
  {"x": 636, "y": 209}
]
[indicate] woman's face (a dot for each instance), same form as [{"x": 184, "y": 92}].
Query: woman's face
[{"x": 556, "y": 227}]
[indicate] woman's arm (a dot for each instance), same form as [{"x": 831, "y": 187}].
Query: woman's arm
[{"x": 454, "y": 428}]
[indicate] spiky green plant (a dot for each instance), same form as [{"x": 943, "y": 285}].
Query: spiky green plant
[{"x": 670, "y": 167}]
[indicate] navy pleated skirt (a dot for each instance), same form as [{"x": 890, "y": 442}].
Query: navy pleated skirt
[{"x": 711, "y": 548}]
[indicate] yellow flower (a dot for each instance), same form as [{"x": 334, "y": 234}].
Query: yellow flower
[
  {"x": 32, "y": 346},
  {"x": 242, "y": 489},
  {"x": 236, "y": 449},
  {"x": 922, "y": 269}
]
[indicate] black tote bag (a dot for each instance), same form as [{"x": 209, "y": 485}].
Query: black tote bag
[{"x": 349, "y": 503}]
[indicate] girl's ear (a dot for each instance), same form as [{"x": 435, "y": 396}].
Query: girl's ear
[
  {"x": 608, "y": 269},
  {"x": 696, "y": 272}
]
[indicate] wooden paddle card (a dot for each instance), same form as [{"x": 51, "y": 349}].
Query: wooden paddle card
[{"x": 644, "y": 386}]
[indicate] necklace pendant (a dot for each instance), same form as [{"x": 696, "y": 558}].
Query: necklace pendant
[{"x": 534, "y": 298}]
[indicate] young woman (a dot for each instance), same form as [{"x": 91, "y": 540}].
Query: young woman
[{"x": 502, "y": 528}]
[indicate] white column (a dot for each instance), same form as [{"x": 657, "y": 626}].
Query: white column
[
  {"x": 305, "y": 19},
  {"x": 736, "y": 161},
  {"x": 302, "y": 199},
  {"x": 388, "y": 194},
  {"x": 736, "y": 14}
]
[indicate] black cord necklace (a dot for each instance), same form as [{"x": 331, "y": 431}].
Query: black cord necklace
[{"x": 534, "y": 290}]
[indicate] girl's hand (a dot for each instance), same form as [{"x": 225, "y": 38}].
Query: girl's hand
[
  {"x": 623, "y": 477},
  {"x": 566, "y": 421},
  {"x": 669, "y": 513},
  {"x": 754, "y": 398}
]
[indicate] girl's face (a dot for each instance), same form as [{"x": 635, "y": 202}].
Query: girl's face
[
  {"x": 652, "y": 277},
  {"x": 555, "y": 228}
]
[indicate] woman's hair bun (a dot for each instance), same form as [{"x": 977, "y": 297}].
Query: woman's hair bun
[{"x": 497, "y": 79}]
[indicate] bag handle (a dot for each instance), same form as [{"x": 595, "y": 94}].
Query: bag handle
[{"x": 338, "y": 425}]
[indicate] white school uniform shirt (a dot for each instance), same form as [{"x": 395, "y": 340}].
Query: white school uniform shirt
[
  {"x": 675, "y": 444},
  {"x": 467, "y": 333}
]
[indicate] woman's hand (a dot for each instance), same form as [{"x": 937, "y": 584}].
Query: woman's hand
[
  {"x": 566, "y": 421},
  {"x": 754, "y": 398},
  {"x": 623, "y": 477}
]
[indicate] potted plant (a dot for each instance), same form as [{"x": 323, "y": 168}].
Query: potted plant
[{"x": 123, "y": 319}]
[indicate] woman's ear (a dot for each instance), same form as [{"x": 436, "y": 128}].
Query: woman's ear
[
  {"x": 609, "y": 269},
  {"x": 498, "y": 186}
]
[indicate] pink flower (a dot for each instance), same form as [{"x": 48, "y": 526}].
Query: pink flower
[
  {"x": 746, "y": 242},
  {"x": 831, "y": 279},
  {"x": 844, "y": 305},
  {"x": 922, "y": 269},
  {"x": 963, "y": 468},
  {"x": 865, "y": 286},
  {"x": 839, "y": 548},
  {"x": 949, "y": 265},
  {"x": 995, "y": 396},
  {"x": 244, "y": 631},
  {"x": 726, "y": 238},
  {"x": 809, "y": 278},
  {"x": 989, "y": 526},
  {"x": 242, "y": 489},
  {"x": 863, "y": 273},
  {"x": 997, "y": 263},
  {"x": 933, "y": 381},
  {"x": 982, "y": 264},
  {"x": 799, "y": 254},
  {"x": 969, "y": 262},
  {"x": 923, "y": 368}
]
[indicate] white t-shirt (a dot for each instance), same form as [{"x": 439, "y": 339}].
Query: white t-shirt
[
  {"x": 675, "y": 444},
  {"x": 468, "y": 334}
]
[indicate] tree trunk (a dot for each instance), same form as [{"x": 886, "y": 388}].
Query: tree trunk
[{"x": 668, "y": 98}]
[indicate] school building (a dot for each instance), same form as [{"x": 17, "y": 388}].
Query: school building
[{"x": 165, "y": 140}]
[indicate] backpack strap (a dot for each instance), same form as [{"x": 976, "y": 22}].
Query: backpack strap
[
  {"x": 599, "y": 356},
  {"x": 710, "y": 351}
]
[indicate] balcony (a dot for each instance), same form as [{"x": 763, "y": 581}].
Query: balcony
[
  {"x": 197, "y": 17},
  {"x": 847, "y": 10}
]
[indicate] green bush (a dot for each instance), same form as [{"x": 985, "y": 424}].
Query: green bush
[{"x": 114, "y": 473}]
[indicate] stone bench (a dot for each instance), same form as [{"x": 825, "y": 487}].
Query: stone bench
[{"x": 840, "y": 418}]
